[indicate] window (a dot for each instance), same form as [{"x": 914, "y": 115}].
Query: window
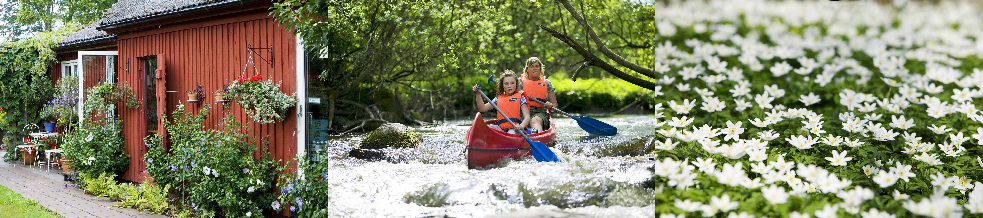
[{"x": 69, "y": 68}]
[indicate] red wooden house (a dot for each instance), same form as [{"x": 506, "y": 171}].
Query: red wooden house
[{"x": 164, "y": 48}]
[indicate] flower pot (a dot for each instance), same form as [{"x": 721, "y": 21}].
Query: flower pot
[
  {"x": 28, "y": 156},
  {"x": 192, "y": 97},
  {"x": 64, "y": 165},
  {"x": 49, "y": 127}
]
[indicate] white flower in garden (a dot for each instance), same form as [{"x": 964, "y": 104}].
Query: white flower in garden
[
  {"x": 682, "y": 108},
  {"x": 657, "y": 91},
  {"x": 853, "y": 143},
  {"x": 809, "y": 99},
  {"x": 667, "y": 145},
  {"x": 885, "y": 179},
  {"x": 780, "y": 69},
  {"x": 666, "y": 167},
  {"x": 828, "y": 211},
  {"x": 740, "y": 90},
  {"x": 774, "y": 116},
  {"x": 704, "y": 92},
  {"x": 979, "y": 136},
  {"x": 763, "y": 100},
  {"x": 741, "y": 104},
  {"x": 666, "y": 28},
  {"x": 902, "y": 123},
  {"x": 839, "y": 158},
  {"x": 832, "y": 140},
  {"x": 251, "y": 189},
  {"x": 667, "y": 80},
  {"x": 687, "y": 205},
  {"x": 689, "y": 73},
  {"x": 757, "y": 155},
  {"x": 940, "y": 181},
  {"x": 670, "y": 132},
  {"x": 872, "y": 116},
  {"x": 938, "y": 205},
  {"x": 206, "y": 170},
  {"x": 683, "y": 180},
  {"x": 680, "y": 123},
  {"x": 214, "y": 172},
  {"x": 775, "y": 194},
  {"x": 800, "y": 142},
  {"x": 870, "y": 170},
  {"x": 899, "y": 196},
  {"x": 761, "y": 167},
  {"x": 731, "y": 174},
  {"x": 958, "y": 139},
  {"x": 911, "y": 137},
  {"x": 930, "y": 159},
  {"x": 856, "y": 196},
  {"x": 733, "y": 130},
  {"x": 712, "y": 104},
  {"x": 796, "y": 214},
  {"x": 781, "y": 165},
  {"x": 867, "y": 107},
  {"x": 774, "y": 91},
  {"x": 723, "y": 203},
  {"x": 705, "y": 165},
  {"x": 759, "y": 123},
  {"x": 768, "y": 135},
  {"x": 661, "y": 68},
  {"x": 682, "y": 87},
  {"x": 902, "y": 171}
]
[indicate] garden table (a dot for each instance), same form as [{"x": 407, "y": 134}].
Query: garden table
[{"x": 48, "y": 154}]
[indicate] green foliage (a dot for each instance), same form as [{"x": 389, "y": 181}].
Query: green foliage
[
  {"x": 26, "y": 17},
  {"x": 102, "y": 185},
  {"x": 220, "y": 170},
  {"x": 61, "y": 108},
  {"x": 24, "y": 79},
  {"x": 587, "y": 94},
  {"x": 262, "y": 101},
  {"x": 96, "y": 147},
  {"x": 150, "y": 197},
  {"x": 308, "y": 194}
]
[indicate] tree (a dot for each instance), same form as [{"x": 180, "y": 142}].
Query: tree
[
  {"x": 592, "y": 60},
  {"x": 22, "y": 18}
]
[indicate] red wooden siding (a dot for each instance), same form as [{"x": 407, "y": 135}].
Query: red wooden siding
[{"x": 210, "y": 52}]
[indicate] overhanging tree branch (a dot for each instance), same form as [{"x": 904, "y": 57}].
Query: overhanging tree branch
[
  {"x": 592, "y": 60},
  {"x": 604, "y": 49}
]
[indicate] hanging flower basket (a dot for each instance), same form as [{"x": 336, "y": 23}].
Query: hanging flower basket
[{"x": 262, "y": 100}]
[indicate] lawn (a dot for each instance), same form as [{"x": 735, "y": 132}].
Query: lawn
[{"x": 13, "y": 205}]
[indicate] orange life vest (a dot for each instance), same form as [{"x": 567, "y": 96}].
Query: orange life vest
[
  {"x": 536, "y": 90},
  {"x": 511, "y": 106}
]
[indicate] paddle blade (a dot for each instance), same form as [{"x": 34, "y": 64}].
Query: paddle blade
[
  {"x": 596, "y": 127},
  {"x": 541, "y": 152}
]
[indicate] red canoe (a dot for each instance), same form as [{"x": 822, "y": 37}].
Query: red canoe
[{"x": 486, "y": 146}]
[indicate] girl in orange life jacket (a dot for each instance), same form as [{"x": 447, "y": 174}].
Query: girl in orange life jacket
[
  {"x": 510, "y": 100},
  {"x": 536, "y": 86}
]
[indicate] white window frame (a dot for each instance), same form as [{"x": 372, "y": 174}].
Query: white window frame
[
  {"x": 301, "y": 81},
  {"x": 81, "y": 75},
  {"x": 72, "y": 64}
]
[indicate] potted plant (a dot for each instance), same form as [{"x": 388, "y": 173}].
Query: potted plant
[
  {"x": 220, "y": 94},
  {"x": 192, "y": 96},
  {"x": 262, "y": 100}
]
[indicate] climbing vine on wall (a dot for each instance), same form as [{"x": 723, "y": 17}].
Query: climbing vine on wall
[{"x": 24, "y": 80}]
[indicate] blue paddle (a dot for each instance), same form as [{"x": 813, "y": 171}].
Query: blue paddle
[
  {"x": 590, "y": 125},
  {"x": 539, "y": 150}
]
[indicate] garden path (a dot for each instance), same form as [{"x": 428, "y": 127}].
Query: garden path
[{"x": 50, "y": 191}]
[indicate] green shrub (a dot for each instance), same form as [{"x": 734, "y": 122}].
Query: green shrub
[
  {"x": 102, "y": 185},
  {"x": 150, "y": 197},
  {"x": 220, "y": 170},
  {"x": 96, "y": 147},
  {"x": 307, "y": 195}
]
